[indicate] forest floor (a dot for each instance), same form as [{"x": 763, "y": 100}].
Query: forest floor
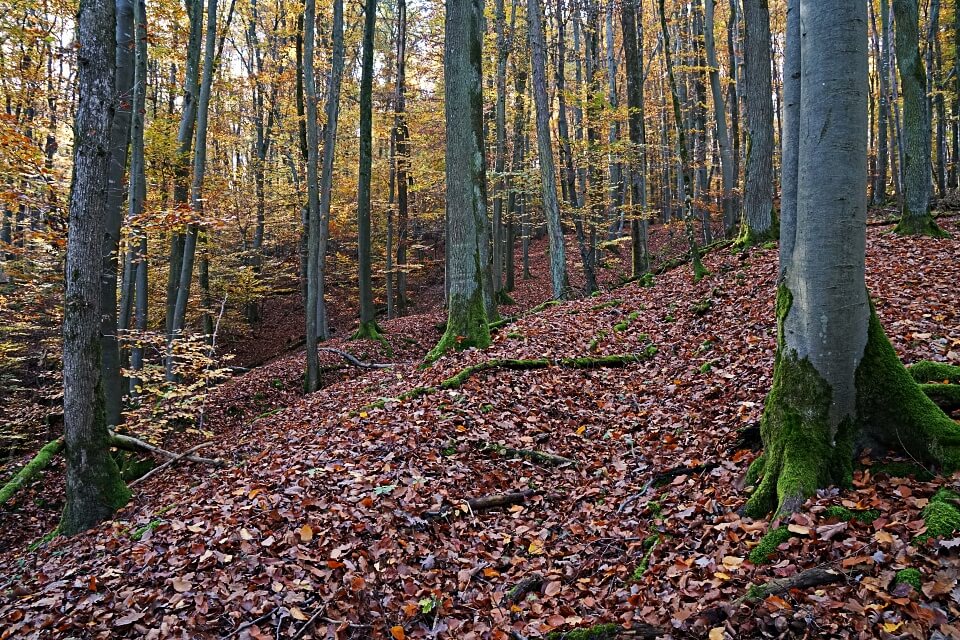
[{"x": 353, "y": 512}]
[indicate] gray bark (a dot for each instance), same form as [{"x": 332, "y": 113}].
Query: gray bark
[
  {"x": 548, "y": 179},
  {"x": 312, "y": 380},
  {"x": 791, "y": 135},
  {"x": 137, "y": 191},
  {"x": 916, "y": 117},
  {"x": 632, "y": 27},
  {"x": 758, "y": 191},
  {"x": 119, "y": 146},
  {"x": 466, "y": 203},
  {"x": 727, "y": 167},
  {"x": 196, "y": 189},
  {"x": 827, "y": 322},
  {"x": 367, "y": 323},
  {"x": 94, "y": 489}
]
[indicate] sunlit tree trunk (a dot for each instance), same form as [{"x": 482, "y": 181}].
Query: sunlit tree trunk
[
  {"x": 312, "y": 379},
  {"x": 631, "y": 27},
  {"x": 94, "y": 489},
  {"x": 401, "y": 135},
  {"x": 727, "y": 167},
  {"x": 137, "y": 190}
]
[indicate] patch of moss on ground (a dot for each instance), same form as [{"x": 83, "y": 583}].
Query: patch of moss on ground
[
  {"x": 767, "y": 546},
  {"x": 596, "y": 632},
  {"x": 842, "y": 513},
  {"x": 910, "y": 575},
  {"x": 941, "y": 515},
  {"x": 649, "y": 544}
]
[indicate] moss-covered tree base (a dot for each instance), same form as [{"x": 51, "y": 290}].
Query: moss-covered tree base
[
  {"x": 372, "y": 331},
  {"x": 923, "y": 225},
  {"x": 802, "y": 453},
  {"x": 752, "y": 237},
  {"x": 468, "y": 325},
  {"x": 928, "y": 371}
]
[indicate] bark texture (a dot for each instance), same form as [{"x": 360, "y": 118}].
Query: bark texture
[
  {"x": 838, "y": 384},
  {"x": 94, "y": 489},
  {"x": 467, "y": 319},
  {"x": 758, "y": 221}
]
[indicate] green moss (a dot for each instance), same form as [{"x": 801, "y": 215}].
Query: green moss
[
  {"x": 910, "y": 576},
  {"x": 467, "y": 327},
  {"x": 649, "y": 544},
  {"x": 624, "y": 324},
  {"x": 755, "y": 470},
  {"x": 606, "y": 305},
  {"x": 699, "y": 271},
  {"x": 706, "y": 367},
  {"x": 898, "y": 413},
  {"x": 36, "y": 544},
  {"x": 543, "y": 305},
  {"x": 842, "y": 513},
  {"x": 767, "y": 546},
  {"x": 372, "y": 331},
  {"x": 137, "y": 533},
  {"x": 801, "y": 451},
  {"x": 928, "y": 371},
  {"x": 941, "y": 516},
  {"x": 503, "y": 298},
  {"x": 701, "y": 307},
  {"x": 515, "y": 335},
  {"x": 902, "y": 470},
  {"x": 945, "y": 396},
  {"x": 755, "y": 593},
  {"x": 919, "y": 225},
  {"x": 31, "y": 469},
  {"x": 596, "y": 632},
  {"x": 647, "y": 280},
  {"x": 750, "y": 237}
]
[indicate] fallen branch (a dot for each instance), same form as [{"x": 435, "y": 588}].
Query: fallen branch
[
  {"x": 539, "y": 457},
  {"x": 525, "y": 586},
  {"x": 486, "y": 503},
  {"x": 609, "y": 632},
  {"x": 353, "y": 360},
  {"x": 129, "y": 443},
  {"x": 815, "y": 577},
  {"x": 168, "y": 463},
  {"x": 309, "y": 623},
  {"x": 465, "y": 374},
  {"x": 30, "y": 470}
]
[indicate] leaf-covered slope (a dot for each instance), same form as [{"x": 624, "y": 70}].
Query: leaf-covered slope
[{"x": 351, "y": 512}]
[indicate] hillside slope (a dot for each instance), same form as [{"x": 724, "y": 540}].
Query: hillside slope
[{"x": 346, "y": 512}]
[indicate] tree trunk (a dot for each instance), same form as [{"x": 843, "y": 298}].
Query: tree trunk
[
  {"x": 368, "y": 326},
  {"x": 401, "y": 135},
  {"x": 548, "y": 180},
  {"x": 94, "y": 489},
  {"x": 138, "y": 189},
  {"x": 312, "y": 379},
  {"x": 915, "y": 218},
  {"x": 837, "y": 384},
  {"x": 699, "y": 271},
  {"x": 882, "y": 52},
  {"x": 119, "y": 146},
  {"x": 632, "y": 27},
  {"x": 467, "y": 319},
  {"x": 188, "y": 118},
  {"x": 727, "y": 167},
  {"x": 326, "y": 172},
  {"x": 196, "y": 190},
  {"x": 758, "y": 224}
]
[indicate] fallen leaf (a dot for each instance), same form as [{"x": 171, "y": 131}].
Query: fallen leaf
[{"x": 306, "y": 533}]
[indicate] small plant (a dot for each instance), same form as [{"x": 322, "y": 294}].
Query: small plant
[{"x": 909, "y": 576}]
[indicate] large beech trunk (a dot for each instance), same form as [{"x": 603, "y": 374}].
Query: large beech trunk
[
  {"x": 468, "y": 251},
  {"x": 838, "y": 384}
]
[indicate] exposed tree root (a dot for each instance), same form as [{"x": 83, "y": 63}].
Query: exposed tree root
[
  {"x": 946, "y": 396},
  {"x": 929, "y": 371},
  {"x": 815, "y": 577},
  {"x": 667, "y": 476},
  {"x": 168, "y": 463},
  {"x": 458, "y": 379},
  {"x": 39, "y": 462},
  {"x": 609, "y": 632}
]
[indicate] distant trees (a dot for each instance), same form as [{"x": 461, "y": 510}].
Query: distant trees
[{"x": 94, "y": 488}]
